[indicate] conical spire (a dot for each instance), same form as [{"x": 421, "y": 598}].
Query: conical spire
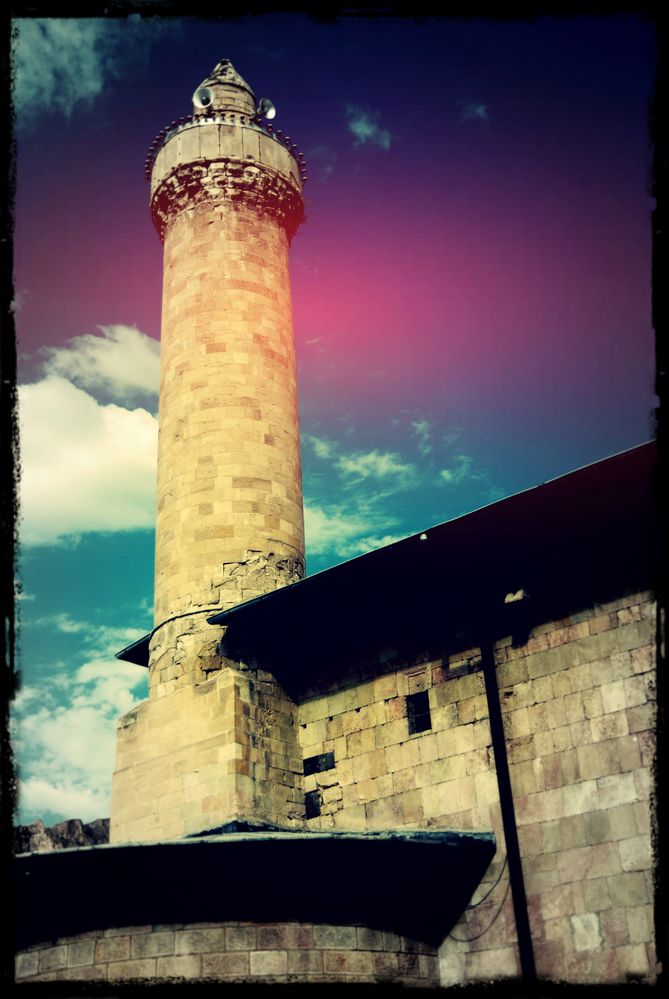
[
  {"x": 225, "y": 72},
  {"x": 228, "y": 91}
]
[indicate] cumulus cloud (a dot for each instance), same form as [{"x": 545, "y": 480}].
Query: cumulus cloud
[
  {"x": 122, "y": 361},
  {"x": 85, "y": 466},
  {"x": 68, "y": 749},
  {"x": 422, "y": 429},
  {"x": 100, "y": 640},
  {"x": 473, "y": 111},
  {"x": 461, "y": 470},
  {"x": 61, "y": 64},
  {"x": 344, "y": 531},
  {"x": 55, "y": 802},
  {"x": 322, "y": 447},
  {"x": 375, "y": 464},
  {"x": 364, "y": 126},
  {"x": 61, "y": 622},
  {"x": 367, "y": 544}
]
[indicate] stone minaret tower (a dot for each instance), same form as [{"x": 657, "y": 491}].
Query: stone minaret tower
[{"x": 226, "y": 199}]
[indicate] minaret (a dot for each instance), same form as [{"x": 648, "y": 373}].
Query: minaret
[{"x": 226, "y": 199}]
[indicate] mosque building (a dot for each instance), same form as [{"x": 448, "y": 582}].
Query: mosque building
[{"x": 429, "y": 765}]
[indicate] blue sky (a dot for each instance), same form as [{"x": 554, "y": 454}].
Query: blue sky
[{"x": 471, "y": 299}]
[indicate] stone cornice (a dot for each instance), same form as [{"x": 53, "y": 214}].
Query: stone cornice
[{"x": 229, "y": 182}]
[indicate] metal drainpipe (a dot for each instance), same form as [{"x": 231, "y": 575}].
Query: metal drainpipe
[{"x": 525, "y": 950}]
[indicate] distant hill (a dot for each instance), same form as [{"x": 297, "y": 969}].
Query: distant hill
[{"x": 38, "y": 838}]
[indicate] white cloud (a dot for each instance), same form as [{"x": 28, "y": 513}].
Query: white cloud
[
  {"x": 85, "y": 466},
  {"x": 61, "y": 64},
  {"x": 375, "y": 464},
  {"x": 60, "y": 801},
  {"x": 367, "y": 544},
  {"x": 61, "y": 622},
  {"x": 99, "y": 639},
  {"x": 422, "y": 430},
  {"x": 345, "y": 532},
  {"x": 461, "y": 471},
  {"x": 123, "y": 361},
  {"x": 364, "y": 125},
  {"x": 322, "y": 448},
  {"x": 68, "y": 749},
  {"x": 473, "y": 111},
  {"x": 326, "y": 531}
]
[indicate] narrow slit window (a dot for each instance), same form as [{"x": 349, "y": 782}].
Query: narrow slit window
[
  {"x": 418, "y": 712},
  {"x": 312, "y": 803}
]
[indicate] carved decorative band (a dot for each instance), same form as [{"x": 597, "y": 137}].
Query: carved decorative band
[{"x": 228, "y": 182}]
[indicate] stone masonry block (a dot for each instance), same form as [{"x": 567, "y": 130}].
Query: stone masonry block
[
  {"x": 228, "y": 965},
  {"x": 629, "y": 889},
  {"x": 52, "y": 958},
  {"x": 636, "y": 853},
  {"x": 144, "y": 968},
  {"x": 586, "y": 931},
  {"x": 26, "y": 964},
  {"x": 597, "y": 827},
  {"x": 622, "y": 822},
  {"x": 609, "y": 726},
  {"x": 632, "y": 961},
  {"x": 184, "y": 966},
  {"x": 157, "y": 944},
  {"x": 80, "y": 953},
  {"x": 615, "y": 929},
  {"x": 589, "y": 862},
  {"x": 640, "y": 924},
  {"x": 335, "y": 937},
  {"x": 596, "y": 894},
  {"x": 269, "y": 962},
  {"x": 641, "y": 718},
  {"x": 112, "y": 949},
  {"x": 286, "y": 937},
  {"x": 348, "y": 962},
  {"x": 369, "y": 939},
  {"x": 618, "y": 789},
  {"x": 305, "y": 962},
  {"x": 199, "y": 941}
]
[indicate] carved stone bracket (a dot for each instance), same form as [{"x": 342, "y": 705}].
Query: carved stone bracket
[{"x": 229, "y": 182}]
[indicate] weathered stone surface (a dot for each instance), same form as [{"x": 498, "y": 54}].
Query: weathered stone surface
[{"x": 302, "y": 952}]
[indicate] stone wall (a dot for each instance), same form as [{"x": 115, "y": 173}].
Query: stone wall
[
  {"x": 243, "y": 952},
  {"x": 578, "y": 701},
  {"x": 208, "y": 754}
]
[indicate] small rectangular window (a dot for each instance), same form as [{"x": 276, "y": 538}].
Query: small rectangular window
[
  {"x": 312, "y": 803},
  {"x": 418, "y": 712},
  {"x": 318, "y": 764}
]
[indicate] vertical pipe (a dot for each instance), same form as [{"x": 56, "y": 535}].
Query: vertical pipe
[{"x": 525, "y": 950}]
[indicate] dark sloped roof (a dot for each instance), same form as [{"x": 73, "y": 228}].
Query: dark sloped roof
[
  {"x": 576, "y": 540},
  {"x": 214, "y": 878}
]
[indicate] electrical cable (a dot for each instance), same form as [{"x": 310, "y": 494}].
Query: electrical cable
[
  {"x": 477, "y": 936},
  {"x": 475, "y": 905}
]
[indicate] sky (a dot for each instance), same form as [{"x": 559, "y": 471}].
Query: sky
[{"x": 471, "y": 294}]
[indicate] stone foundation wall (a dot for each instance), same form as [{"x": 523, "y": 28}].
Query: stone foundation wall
[
  {"x": 206, "y": 755},
  {"x": 578, "y": 701},
  {"x": 233, "y": 952}
]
